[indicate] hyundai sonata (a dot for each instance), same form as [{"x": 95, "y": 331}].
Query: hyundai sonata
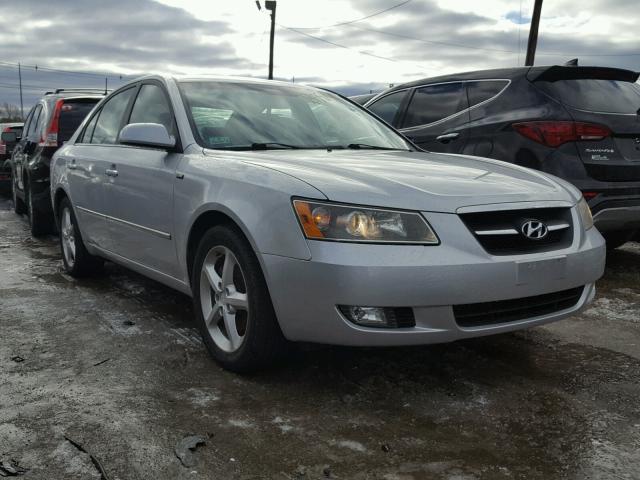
[{"x": 289, "y": 213}]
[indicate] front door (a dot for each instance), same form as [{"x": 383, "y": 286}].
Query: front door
[{"x": 140, "y": 190}]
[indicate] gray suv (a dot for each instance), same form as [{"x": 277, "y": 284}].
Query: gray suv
[{"x": 290, "y": 213}]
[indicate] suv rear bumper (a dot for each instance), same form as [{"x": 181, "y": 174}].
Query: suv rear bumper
[{"x": 613, "y": 212}]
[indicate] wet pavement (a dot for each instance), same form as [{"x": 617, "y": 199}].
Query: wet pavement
[{"x": 102, "y": 378}]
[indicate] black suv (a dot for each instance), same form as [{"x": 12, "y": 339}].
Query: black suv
[
  {"x": 50, "y": 123},
  {"x": 578, "y": 123}
]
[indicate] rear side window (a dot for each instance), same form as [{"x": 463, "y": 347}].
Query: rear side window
[
  {"x": 71, "y": 116},
  {"x": 35, "y": 121},
  {"x": 482, "y": 91},
  {"x": 88, "y": 131},
  {"x": 151, "y": 106},
  {"x": 435, "y": 102},
  {"x": 609, "y": 96},
  {"x": 111, "y": 116},
  {"x": 387, "y": 107}
]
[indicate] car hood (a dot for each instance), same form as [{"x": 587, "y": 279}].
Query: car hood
[{"x": 410, "y": 180}]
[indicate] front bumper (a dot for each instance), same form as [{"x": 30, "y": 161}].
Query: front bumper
[{"x": 429, "y": 279}]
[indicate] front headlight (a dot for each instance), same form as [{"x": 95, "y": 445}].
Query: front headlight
[
  {"x": 585, "y": 214},
  {"x": 347, "y": 223}
]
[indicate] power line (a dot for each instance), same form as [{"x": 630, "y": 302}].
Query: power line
[
  {"x": 58, "y": 70},
  {"x": 433, "y": 42},
  {"x": 320, "y": 39},
  {"x": 357, "y": 19}
]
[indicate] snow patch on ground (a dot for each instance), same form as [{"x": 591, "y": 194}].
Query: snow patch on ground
[
  {"x": 614, "y": 309},
  {"x": 235, "y": 422},
  {"x": 201, "y": 398},
  {"x": 351, "y": 445}
]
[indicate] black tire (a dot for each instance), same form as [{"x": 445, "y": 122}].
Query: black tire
[
  {"x": 18, "y": 205},
  {"x": 263, "y": 343},
  {"x": 84, "y": 264},
  {"x": 41, "y": 224},
  {"x": 617, "y": 238}
]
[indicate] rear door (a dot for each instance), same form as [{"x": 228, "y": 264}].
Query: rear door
[
  {"x": 436, "y": 116},
  {"x": 141, "y": 195},
  {"x": 27, "y": 145},
  {"x": 605, "y": 97},
  {"x": 88, "y": 163}
]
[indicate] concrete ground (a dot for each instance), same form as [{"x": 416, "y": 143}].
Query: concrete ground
[{"x": 112, "y": 369}]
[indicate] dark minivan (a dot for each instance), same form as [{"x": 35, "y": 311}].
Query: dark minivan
[
  {"x": 579, "y": 123},
  {"x": 50, "y": 123}
]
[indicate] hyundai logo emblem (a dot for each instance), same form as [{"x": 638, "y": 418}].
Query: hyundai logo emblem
[
  {"x": 637, "y": 140},
  {"x": 534, "y": 230}
]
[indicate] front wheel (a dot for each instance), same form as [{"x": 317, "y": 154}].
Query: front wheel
[
  {"x": 18, "y": 205},
  {"x": 78, "y": 262},
  {"x": 232, "y": 303}
]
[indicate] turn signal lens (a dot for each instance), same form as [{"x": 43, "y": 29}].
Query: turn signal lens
[
  {"x": 585, "y": 214},
  {"x": 327, "y": 221}
]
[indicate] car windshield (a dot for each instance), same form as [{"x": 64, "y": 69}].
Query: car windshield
[{"x": 252, "y": 116}]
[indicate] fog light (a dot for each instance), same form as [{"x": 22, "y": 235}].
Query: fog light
[{"x": 381, "y": 317}]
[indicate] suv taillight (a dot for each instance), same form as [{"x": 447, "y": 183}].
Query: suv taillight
[
  {"x": 554, "y": 134},
  {"x": 50, "y": 138}
]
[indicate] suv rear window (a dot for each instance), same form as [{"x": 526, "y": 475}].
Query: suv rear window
[
  {"x": 71, "y": 116},
  {"x": 609, "y": 96}
]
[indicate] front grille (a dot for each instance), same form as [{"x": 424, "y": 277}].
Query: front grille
[
  {"x": 613, "y": 173},
  {"x": 504, "y": 311},
  {"x": 500, "y": 232}
]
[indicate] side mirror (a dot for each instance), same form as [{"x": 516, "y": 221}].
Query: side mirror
[
  {"x": 9, "y": 137},
  {"x": 147, "y": 135}
]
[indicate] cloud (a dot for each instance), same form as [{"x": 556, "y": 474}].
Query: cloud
[{"x": 420, "y": 39}]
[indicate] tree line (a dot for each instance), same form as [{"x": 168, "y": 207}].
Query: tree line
[{"x": 10, "y": 113}]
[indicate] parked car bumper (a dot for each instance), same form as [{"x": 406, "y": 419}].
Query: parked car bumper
[
  {"x": 5, "y": 176},
  {"x": 429, "y": 280}
]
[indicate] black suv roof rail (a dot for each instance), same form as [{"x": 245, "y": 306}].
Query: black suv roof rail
[{"x": 81, "y": 90}]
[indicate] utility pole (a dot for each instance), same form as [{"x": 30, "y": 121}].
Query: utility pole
[
  {"x": 533, "y": 34},
  {"x": 20, "y": 83},
  {"x": 271, "y": 6}
]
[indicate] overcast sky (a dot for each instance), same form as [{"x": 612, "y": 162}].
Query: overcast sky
[{"x": 418, "y": 38}]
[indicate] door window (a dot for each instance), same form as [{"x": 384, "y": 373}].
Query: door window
[
  {"x": 387, "y": 107},
  {"x": 435, "y": 102},
  {"x": 88, "y": 130},
  {"x": 482, "y": 91},
  {"x": 110, "y": 119},
  {"x": 152, "y": 106}
]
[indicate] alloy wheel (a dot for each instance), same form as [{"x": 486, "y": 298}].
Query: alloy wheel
[
  {"x": 224, "y": 298},
  {"x": 67, "y": 233}
]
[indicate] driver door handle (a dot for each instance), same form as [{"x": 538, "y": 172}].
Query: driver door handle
[{"x": 448, "y": 136}]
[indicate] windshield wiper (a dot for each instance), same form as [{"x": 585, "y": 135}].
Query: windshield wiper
[
  {"x": 267, "y": 145},
  {"x": 364, "y": 146}
]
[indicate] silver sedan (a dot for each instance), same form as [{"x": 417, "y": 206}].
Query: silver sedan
[{"x": 291, "y": 214}]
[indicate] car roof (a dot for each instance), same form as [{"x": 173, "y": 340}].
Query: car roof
[
  {"x": 497, "y": 73},
  {"x": 218, "y": 78}
]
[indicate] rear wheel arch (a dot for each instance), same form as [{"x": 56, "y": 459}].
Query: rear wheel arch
[{"x": 60, "y": 195}]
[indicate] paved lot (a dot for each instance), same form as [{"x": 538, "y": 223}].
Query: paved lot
[{"x": 113, "y": 367}]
